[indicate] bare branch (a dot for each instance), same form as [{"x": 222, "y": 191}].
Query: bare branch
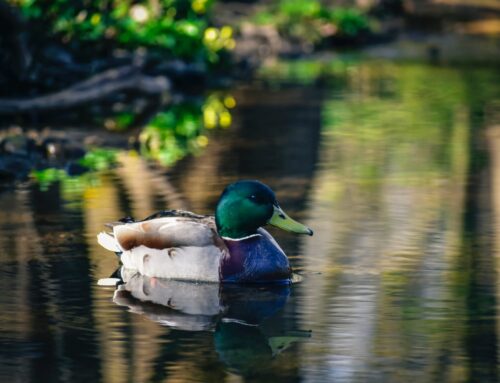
[{"x": 92, "y": 89}]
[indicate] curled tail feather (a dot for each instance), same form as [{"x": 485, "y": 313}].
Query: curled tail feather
[{"x": 109, "y": 242}]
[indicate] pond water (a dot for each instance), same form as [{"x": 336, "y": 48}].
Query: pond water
[{"x": 396, "y": 167}]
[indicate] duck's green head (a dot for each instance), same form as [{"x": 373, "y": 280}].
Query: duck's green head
[{"x": 247, "y": 205}]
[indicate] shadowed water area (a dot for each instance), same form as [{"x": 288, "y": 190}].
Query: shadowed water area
[{"x": 396, "y": 167}]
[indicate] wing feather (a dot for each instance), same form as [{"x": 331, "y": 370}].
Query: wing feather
[
  {"x": 170, "y": 246},
  {"x": 164, "y": 233}
]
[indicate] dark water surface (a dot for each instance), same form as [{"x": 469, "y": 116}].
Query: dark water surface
[{"x": 397, "y": 169}]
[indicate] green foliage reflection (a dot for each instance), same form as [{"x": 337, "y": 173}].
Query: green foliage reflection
[{"x": 407, "y": 121}]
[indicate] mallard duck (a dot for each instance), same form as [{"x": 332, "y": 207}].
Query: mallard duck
[{"x": 230, "y": 247}]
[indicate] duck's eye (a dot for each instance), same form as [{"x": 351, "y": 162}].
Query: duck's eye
[{"x": 255, "y": 199}]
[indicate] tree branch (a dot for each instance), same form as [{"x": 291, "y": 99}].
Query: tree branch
[{"x": 95, "y": 88}]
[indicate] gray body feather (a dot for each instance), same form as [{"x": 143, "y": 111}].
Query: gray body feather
[{"x": 175, "y": 247}]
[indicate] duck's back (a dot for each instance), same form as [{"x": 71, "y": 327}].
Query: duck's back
[{"x": 176, "y": 246}]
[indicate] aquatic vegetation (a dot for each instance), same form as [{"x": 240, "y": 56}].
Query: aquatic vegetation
[
  {"x": 99, "y": 159},
  {"x": 76, "y": 175}
]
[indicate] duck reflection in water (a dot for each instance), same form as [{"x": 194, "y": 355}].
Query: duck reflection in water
[{"x": 239, "y": 315}]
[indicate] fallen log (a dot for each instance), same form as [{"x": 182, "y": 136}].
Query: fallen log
[{"x": 95, "y": 88}]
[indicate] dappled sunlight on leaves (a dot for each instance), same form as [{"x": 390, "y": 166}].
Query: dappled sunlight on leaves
[
  {"x": 179, "y": 131},
  {"x": 181, "y": 27}
]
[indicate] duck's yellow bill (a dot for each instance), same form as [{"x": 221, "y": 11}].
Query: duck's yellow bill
[{"x": 283, "y": 221}]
